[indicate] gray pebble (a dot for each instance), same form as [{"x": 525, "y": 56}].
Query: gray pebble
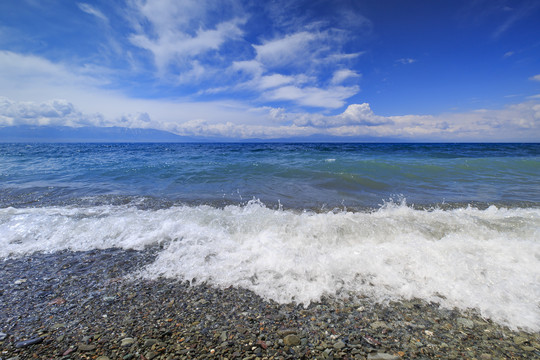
[
  {"x": 127, "y": 342},
  {"x": 339, "y": 345},
  {"x": 291, "y": 340},
  {"x": 86, "y": 347},
  {"x": 382, "y": 356},
  {"x": 25, "y": 343},
  {"x": 465, "y": 323}
]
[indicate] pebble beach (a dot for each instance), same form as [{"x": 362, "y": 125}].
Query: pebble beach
[{"x": 89, "y": 305}]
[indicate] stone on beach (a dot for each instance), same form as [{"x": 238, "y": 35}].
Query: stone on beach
[
  {"x": 233, "y": 323},
  {"x": 382, "y": 356},
  {"x": 25, "y": 343},
  {"x": 291, "y": 340}
]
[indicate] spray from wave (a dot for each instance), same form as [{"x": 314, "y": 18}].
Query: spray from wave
[{"x": 488, "y": 260}]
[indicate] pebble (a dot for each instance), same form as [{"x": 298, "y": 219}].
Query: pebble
[
  {"x": 291, "y": 340},
  {"x": 69, "y": 350},
  {"x": 465, "y": 323},
  {"x": 378, "y": 325},
  {"x": 58, "y": 326},
  {"x": 209, "y": 323},
  {"x": 150, "y": 342},
  {"x": 382, "y": 356},
  {"x": 25, "y": 343},
  {"x": 86, "y": 347},
  {"x": 127, "y": 342},
  {"x": 150, "y": 355},
  {"x": 3, "y": 336}
]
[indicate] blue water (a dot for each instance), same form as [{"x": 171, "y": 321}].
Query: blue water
[
  {"x": 454, "y": 224},
  {"x": 300, "y": 176}
]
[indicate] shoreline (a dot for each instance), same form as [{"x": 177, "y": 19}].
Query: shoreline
[{"x": 78, "y": 305}]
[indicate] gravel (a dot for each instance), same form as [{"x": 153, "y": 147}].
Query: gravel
[{"x": 80, "y": 305}]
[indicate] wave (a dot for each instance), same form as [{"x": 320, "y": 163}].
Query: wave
[{"x": 469, "y": 258}]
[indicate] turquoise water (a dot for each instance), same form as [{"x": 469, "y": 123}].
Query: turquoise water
[
  {"x": 301, "y": 176},
  {"x": 454, "y": 224}
]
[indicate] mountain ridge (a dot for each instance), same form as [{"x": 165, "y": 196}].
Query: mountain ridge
[{"x": 116, "y": 134}]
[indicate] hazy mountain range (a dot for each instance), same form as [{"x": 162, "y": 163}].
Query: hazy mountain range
[{"x": 66, "y": 134}]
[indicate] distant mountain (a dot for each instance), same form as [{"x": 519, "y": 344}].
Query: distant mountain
[
  {"x": 322, "y": 138},
  {"x": 29, "y": 133},
  {"x": 66, "y": 134}
]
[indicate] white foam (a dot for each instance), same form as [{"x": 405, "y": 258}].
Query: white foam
[{"x": 488, "y": 260}]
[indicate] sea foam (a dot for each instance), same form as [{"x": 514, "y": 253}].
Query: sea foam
[{"x": 488, "y": 260}]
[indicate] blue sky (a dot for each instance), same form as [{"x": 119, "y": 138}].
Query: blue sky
[{"x": 412, "y": 70}]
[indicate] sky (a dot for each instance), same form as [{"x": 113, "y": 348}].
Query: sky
[{"x": 433, "y": 70}]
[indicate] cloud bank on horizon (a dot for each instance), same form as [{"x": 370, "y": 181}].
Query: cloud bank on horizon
[{"x": 237, "y": 69}]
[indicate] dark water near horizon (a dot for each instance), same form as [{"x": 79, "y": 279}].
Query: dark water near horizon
[
  {"x": 455, "y": 224},
  {"x": 299, "y": 176}
]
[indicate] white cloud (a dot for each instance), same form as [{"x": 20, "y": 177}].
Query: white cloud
[
  {"x": 274, "y": 80},
  {"x": 175, "y": 47},
  {"x": 508, "y": 54},
  {"x": 406, "y": 61},
  {"x": 338, "y": 57},
  {"x": 516, "y": 14},
  {"x": 21, "y": 68},
  {"x": 535, "y": 77},
  {"x": 42, "y": 92},
  {"x": 293, "y": 49},
  {"x": 179, "y": 31},
  {"x": 52, "y": 112},
  {"x": 518, "y": 122},
  {"x": 333, "y": 97},
  {"x": 188, "y": 45},
  {"x": 342, "y": 75},
  {"x": 251, "y": 67},
  {"x": 89, "y": 9},
  {"x": 30, "y": 80},
  {"x": 361, "y": 114},
  {"x": 514, "y": 123}
]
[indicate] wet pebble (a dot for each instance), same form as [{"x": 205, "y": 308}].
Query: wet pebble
[
  {"x": 86, "y": 347},
  {"x": 382, "y": 356},
  {"x": 291, "y": 340},
  {"x": 165, "y": 319},
  {"x": 127, "y": 342},
  {"x": 25, "y": 343}
]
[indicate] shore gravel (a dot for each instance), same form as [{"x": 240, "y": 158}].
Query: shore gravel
[{"x": 84, "y": 305}]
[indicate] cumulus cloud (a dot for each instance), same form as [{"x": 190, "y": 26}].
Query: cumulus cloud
[
  {"x": 60, "y": 112},
  {"x": 535, "y": 77},
  {"x": 200, "y": 127},
  {"x": 52, "y": 112},
  {"x": 518, "y": 122}
]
